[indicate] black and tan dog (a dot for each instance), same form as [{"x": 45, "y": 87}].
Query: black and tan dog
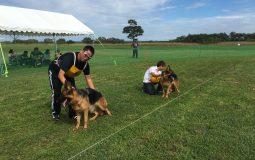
[
  {"x": 84, "y": 101},
  {"x": 169, "y": 82}
]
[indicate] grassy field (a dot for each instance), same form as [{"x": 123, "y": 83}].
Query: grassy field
[{"x": 212, "y": 118}]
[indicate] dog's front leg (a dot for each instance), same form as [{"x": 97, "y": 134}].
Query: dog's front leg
[
  {"x": 78, "y": 120},
  {"x": 86, "y": 112},
  {"x": 163, "y": 91},
  {"x": 169, "y": 90}
]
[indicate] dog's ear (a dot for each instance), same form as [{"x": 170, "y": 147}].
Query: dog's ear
[
  {"x": 168, "y": 68},
  {"x": 67, "y": 84},
  {"x": 73, "y": 88}
]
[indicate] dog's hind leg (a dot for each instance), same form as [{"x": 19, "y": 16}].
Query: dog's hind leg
[
  {"x": 176, "y": 85},
  {"x": 108, "y": 112},
  {"x": 95, "y": 116},
  {"x": 102, "y": 104}
]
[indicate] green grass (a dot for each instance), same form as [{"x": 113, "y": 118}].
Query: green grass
[{"x": 213, "y": 121}]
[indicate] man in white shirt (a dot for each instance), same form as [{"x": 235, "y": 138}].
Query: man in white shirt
[{"x": 151, "y": 78}]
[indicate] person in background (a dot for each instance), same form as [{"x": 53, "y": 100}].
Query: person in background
[
  {"x": 57, "y": 53},
  {"x": 46, "y": 57},
  {"x": 24, "y": 59},
  {"x": 36, "y": 57},
  {"x": 12, "y": 57},
  {"x": 135, "y": 48}
]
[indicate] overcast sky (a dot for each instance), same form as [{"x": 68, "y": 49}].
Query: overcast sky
[{"x": 160, "y": 19}]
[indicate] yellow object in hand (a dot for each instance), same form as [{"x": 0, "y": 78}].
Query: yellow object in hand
[{"x": 155, "y": 79}]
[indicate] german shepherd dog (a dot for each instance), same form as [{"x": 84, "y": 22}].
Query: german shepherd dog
[
  {"x": 84, "y": 101},
  {"x": 169, "y": 82}
]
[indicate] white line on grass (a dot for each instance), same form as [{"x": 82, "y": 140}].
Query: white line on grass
[{"x": 163, "y": 105}]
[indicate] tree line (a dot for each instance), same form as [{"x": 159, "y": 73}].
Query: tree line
[
  {"x": 64, "y": 41},
  {"x": 103, "y": 40},
  {"x": 215, "y": 37}
]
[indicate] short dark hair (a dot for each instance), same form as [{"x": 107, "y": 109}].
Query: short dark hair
[
  {"x": 161, "y": 63},
  {"x": 11, "y": 51},
  {"x": 89, "y": 48}
]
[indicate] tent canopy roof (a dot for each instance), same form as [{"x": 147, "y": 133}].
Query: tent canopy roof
[{"x": 23, "y": 21}]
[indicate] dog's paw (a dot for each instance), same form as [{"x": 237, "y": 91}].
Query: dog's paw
[
  {"x": 92, "y": 119},
  {"x": 75, "y": 129}
]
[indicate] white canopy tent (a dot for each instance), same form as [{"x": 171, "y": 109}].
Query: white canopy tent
[
  {"x": 35, "y": 22},
  {"x": 21, "y": 21}
]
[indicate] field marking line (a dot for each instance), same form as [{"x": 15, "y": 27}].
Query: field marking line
[{"x": 147, "y": 114}]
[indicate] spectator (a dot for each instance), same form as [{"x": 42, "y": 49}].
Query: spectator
[
  {"x": 36, "y": 57},
  {"x": 135, "y": 48},
  {"x": 12, "y": 57},
  {"x": 57, "y": 54},
  {"x": 24, "y": 59},
  {"x": 46, "y": 58}
]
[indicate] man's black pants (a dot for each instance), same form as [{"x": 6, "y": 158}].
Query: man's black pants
[
  {"x": 135, "y": 53},
  {"x": 56, "y": 85},
  {"x": 150, "y": 89}
]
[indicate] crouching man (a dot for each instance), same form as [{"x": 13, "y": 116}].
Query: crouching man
[{"x": 151, "y": 78}]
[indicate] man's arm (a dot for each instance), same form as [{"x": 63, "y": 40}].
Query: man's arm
[
  {"x": 89, "y": 81},
  {"x": 61, "y": 76},
  {"x": 154, "y": 74}
]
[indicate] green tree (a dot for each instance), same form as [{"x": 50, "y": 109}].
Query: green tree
[
  {"x": 102, "y": 39},
  {"x": 61, "y": 41},
  {"x": 133, "y": 30},
  {"x": 48, "y": 40},
  {"x": 87, "y": 40}
]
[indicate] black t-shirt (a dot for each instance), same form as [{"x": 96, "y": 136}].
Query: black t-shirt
[{"x": 66, "y": 61}]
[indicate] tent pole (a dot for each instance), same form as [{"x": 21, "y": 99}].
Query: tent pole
[
  {"x": 94, "y": 36},
  {"x": 6, "y": 70},
  {"x": 55, "y": 42},
  {"x": 14, "y": 37}
]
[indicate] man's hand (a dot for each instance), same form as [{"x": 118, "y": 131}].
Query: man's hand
[{"x": 89, "y": 81}]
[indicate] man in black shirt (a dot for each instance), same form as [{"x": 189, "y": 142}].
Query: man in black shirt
[{"x": 66, "y": 67}]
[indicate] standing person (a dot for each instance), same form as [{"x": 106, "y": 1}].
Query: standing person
[
  {"x": 135, "y": 48},
  {"x": 66, "y": 67},
  {"x": 151, "y": 78}
]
